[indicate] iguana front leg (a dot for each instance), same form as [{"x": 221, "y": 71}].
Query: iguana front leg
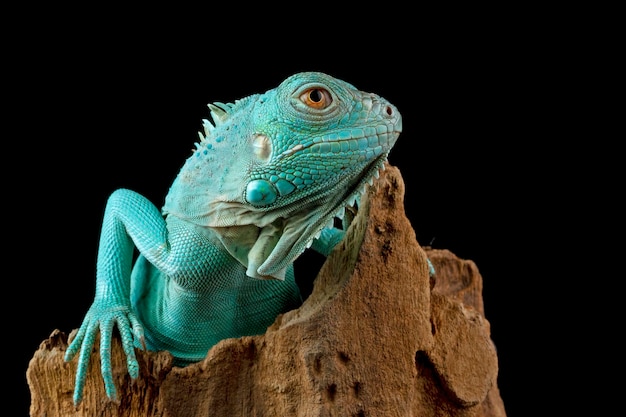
[
  {"x": 328, "y": 239},
  {"x": 129, "y": 220}
]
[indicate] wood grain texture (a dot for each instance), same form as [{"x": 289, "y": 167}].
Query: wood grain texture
[{"x": 376, "y": 337}]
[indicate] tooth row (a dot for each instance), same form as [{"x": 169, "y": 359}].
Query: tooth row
[
  {"x": 220, "y": 112},
  {"x": 352, "y": 200}
]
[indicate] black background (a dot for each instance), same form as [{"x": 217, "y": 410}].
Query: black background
[{"x": 100, "y": 104}]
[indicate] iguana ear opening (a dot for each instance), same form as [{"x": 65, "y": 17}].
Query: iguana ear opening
[{"x": 262, "y": 147}]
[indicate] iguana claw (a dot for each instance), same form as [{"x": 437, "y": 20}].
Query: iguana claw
[{"x": 102, "y": 320}]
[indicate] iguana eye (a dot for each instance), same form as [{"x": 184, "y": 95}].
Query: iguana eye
[{"x": 316, "y": 97}]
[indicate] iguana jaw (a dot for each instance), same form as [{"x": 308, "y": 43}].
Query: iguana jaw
[
  {"x": 269, "y": 244},
  {"x": 300, "y": 228}
]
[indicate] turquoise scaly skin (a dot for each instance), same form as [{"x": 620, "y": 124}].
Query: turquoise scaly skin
[{"x": 264, "y": 183}]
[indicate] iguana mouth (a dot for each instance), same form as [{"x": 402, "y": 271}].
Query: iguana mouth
[
  {"x": 307, "y": 231},
  {"x": 369, "y": 139}
]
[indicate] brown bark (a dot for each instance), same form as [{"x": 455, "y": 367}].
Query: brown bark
[{"x": 376, "y": 337}]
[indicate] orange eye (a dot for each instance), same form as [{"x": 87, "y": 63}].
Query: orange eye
[{"x": 317, "y": 98}]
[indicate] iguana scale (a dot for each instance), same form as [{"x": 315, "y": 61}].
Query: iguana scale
[{"x": 266, "y": 181}]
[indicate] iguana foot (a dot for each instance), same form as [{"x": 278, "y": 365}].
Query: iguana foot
[{"x": 103, "y": 320}]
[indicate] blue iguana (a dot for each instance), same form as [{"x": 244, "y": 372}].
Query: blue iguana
[{"x": 265, "y": 182}]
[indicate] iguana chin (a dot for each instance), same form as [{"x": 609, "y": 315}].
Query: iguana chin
[{"x": 266, "y": 181}]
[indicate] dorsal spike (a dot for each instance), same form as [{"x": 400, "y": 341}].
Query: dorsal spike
[
  {"x": 218, "y": 114},
  {"x": 227, "y": 107},
  {"x": 208, "y": 127}
]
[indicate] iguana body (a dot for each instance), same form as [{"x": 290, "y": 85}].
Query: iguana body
[{"x": 265, "y": 182}]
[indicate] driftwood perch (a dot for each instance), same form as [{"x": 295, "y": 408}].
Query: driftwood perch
[{"x": 376, "y": 337}]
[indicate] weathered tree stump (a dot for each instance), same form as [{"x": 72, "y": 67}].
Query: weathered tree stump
[{"x": 376, "y": 337}]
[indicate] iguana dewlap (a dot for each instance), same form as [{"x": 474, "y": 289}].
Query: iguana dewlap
[{"x": 266, "y": 181}]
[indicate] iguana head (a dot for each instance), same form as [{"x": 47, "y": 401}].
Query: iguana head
[{"x": 274, "y": 169}]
